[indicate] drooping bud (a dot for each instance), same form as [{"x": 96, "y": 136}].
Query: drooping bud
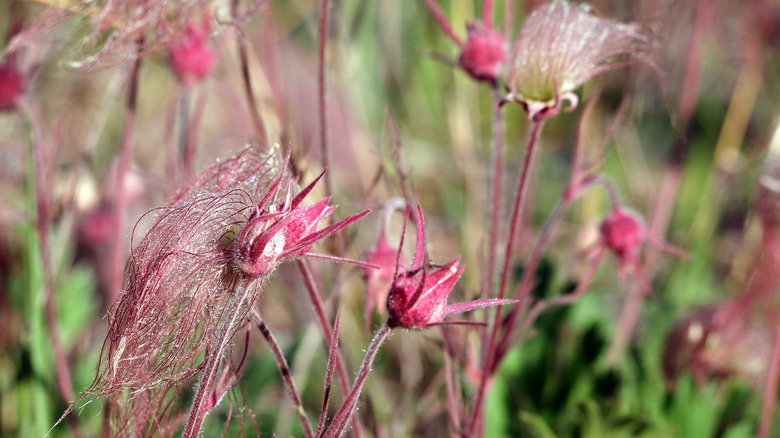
[
  {"x": 484, "y": 53},
  {"x": 418, "y": 296},
  {"x": 191, "y": 55},
  {"x": 12, "y": 86},
  {"x": 624, "y": 232}
]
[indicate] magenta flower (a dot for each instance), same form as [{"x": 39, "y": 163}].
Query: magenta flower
[
  {"x": 12, "y": 85},
  {"x": 194, "y": 277},
  {"x": 560, "y": 47},
  {"x": 191, "y": 55},
  {"x": 418, "y": 297}
]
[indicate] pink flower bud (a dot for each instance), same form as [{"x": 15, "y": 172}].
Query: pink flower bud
[
  {"x": 191, "y": 55},
  {"x": 418, "y": 297},
  {"x": 624, "y": 232},
  {"x": 12, "y": 86},
  {"x": 484, "y": 53}
]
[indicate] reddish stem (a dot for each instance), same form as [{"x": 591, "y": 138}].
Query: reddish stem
[
  {"x": 498, "y": 195},
  {"x": 322, "y": 93},
  {"x": 770, "y": 390},
  {"x": 319, "y": 309},
  {"x": 487, "y": 14},
  {"x": 203, "y": 397},
  {"x": 442, "y": 20},
  {"x": 489, "y": 353},
  {"x": 120, "y": 208},
  {"x": 254, "y": 109},
  {"x": 284, "y": 369},
  {"x": 338, "y": 427}
]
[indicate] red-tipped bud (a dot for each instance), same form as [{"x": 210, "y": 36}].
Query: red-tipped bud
[
  {"x": 12, "y": 86},
  {"x": 624, "y": 232},
  {"x": 418, "y": 298},
  {"x": 484, "y": 53},
  {"x": 192, "y": 57}
]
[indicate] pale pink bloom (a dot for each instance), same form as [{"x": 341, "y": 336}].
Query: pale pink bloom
[{"x": 560, "y": 47}]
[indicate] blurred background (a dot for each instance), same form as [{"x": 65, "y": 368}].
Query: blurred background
[{"x": 692, "y": 153}]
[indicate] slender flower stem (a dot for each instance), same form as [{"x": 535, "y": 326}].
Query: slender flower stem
[
  {"x": 442, "y": 20},
  {"x": 770, "y": 390},
  {"x": 120, "y": 208},
  {"x": 284, "y": 369},
  {"x": 338, "y": 427},
  {"x": 204, "y": 400},
  {"x": 322, "y": 93},
  {"x": 487, "y": 13},
  {"x": 319, "y": 309},
  {"x": 186, "y": 153},
  {"x": 475, "y": 424},
  {"x": 498, "y": 195},
  {"x": 254, "y": 109},
  {"x": 39, "y": 208}
]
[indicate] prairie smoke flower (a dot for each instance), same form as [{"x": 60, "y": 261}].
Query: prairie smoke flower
[
  {"x": 191, "y": 55},
  {"x": 560, "y": 47},
  {"x": 625, "y": 232},
  {"x": 193, "y": 278},
  {"x": 12, "y": 86},
  {"x": 418, "y": 297},
  {"x": 484, "y": 53},
  {"x": 719, "y": 341}
]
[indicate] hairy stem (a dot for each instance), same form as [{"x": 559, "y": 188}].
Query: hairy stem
[
  {"x": 284, "y": 369},
  {"x": 204, "y": 397},
  {"x": 475, "y": 424},
  {"x": 319, "y": 309},
  {"x": 338, "y": 427}
]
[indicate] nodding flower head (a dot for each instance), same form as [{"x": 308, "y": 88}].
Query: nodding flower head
[
  {"x": 12, "y": 86},
  {"x": 191, "y": 55},
  {"x": 283, "y": 230},
  {"x": 484, "y": 53},
  {"x": 560, "y": 47},
  {"x": 418, "y": 296},
  {"x": 624, "y": 232}
]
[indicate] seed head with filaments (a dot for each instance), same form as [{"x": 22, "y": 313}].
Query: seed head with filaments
[
  {"x": 204, "y": 259},
  {"x": 560, "y": 47}
]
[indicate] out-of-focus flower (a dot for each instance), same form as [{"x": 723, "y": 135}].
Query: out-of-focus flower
[
  {"x": 484, "y": 53},
  {"x": 191, "y": 55},
  {"x": 384, "y": 256},
  {"x": 624, "y": 232},
  {"x": 12, "y": 86},
  {"x": 560, "y": 47},
  {"x": 418, "y": 297},
  {"x": 719, "y": 341}
]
